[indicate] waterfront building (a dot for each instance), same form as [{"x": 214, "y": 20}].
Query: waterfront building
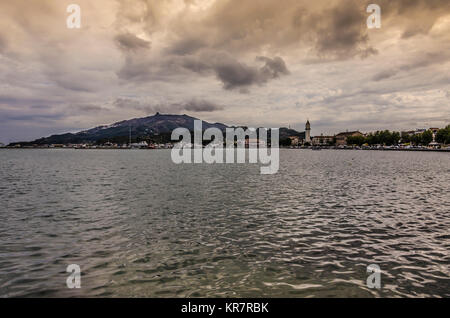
[
  {"x": 295, "y": 140},
  {"x": 302, "y": 137},
  {"x": 322, "y": 140},
  {"x": 142, "y": 144},
  {"x": 341, "y": 138}
]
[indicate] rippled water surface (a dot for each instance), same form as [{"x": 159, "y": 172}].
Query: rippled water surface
[{"x": 139, "y": 225}]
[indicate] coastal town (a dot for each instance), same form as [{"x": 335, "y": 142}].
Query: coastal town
[
  {"x": 431, "y": 139},
  {"x": 419, "y": 139}
]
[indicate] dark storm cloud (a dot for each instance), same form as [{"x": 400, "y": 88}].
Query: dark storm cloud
[
  {"x": 130, "y": 42},
  {"x": 343, "y": 32},
  {"x": 237, "y": 75},
  {"x": 417, "y": 17},
  {"x": 336, "y": 29},
  {"x": 214, "y": 41},
  {"x": 232, "y": 73}
]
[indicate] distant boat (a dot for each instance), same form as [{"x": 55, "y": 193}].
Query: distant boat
[{"x": 316, "y": 148}]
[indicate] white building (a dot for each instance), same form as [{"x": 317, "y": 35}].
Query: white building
[
  {"x": 142, "y": 144},
  {"x": 308, "y": 132}
]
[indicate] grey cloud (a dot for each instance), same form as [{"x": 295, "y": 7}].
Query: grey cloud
[
  {"x": 90, "y": 108},
  {"x": 196, "y": 64},
  {"x": 11, "y": 100},
  {"x": 201, "y": 106},
  {"x": 193, "y": 105},
  {"x": 186, "y": 46},
  {"x": 3, "y": 43},
  {"x": 130, "y": 42},
  {"x": 6, "y": 116},
  {"x": 71, "y": 84},
  {"x": 415, "y": 30},
  {"x": 416, "y": 17},
  {"x": 384, "y": 75},
  {"x": 343, "y": 33},
  {"x": 127, "y": 103},
  {"x": 215, "y": 40},
  {"x": 273, "y": 68},
  {"x": 425, "y": 60},
  {"x": 234, "y": 74},
  {"x": 334, "y": 29}
]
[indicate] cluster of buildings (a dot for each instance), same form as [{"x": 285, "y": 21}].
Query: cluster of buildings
[
  {"x": 340, "y": 139},
  {"x": 107, "y": 145}
]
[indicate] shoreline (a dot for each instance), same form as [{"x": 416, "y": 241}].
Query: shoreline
[{"x": 286, "y": 148}]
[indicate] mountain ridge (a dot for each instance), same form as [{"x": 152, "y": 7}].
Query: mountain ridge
[{"x": 156, "y": 127}]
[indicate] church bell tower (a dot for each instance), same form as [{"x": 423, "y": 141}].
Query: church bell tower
[{"x": 308, "y": 132}]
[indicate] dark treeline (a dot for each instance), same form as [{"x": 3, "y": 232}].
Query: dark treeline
[
  {"x": 443, "y": 135},
  {"x": 384, "y": 137}
]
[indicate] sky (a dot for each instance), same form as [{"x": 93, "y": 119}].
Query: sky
[{"x": 272, "y": 63}]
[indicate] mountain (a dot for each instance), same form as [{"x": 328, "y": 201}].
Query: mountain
[
  {"x": 287, "y": 132},
  {"x": 158, "y": 127}
]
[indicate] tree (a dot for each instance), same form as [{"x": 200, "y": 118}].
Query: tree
[
  {"x": 384, "y": 137},
  {"x": 426, "y": 137},
  {"x": 333, "y": 142},
  {"x": 443, "y": 135},
  {"x": 356, "y": 140},
  {"x": 405, "y": 137},
  {"x": 285, "y": 142},
  {"x": 416, "y": 139},
  {"x": 395, "y": 138}
]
